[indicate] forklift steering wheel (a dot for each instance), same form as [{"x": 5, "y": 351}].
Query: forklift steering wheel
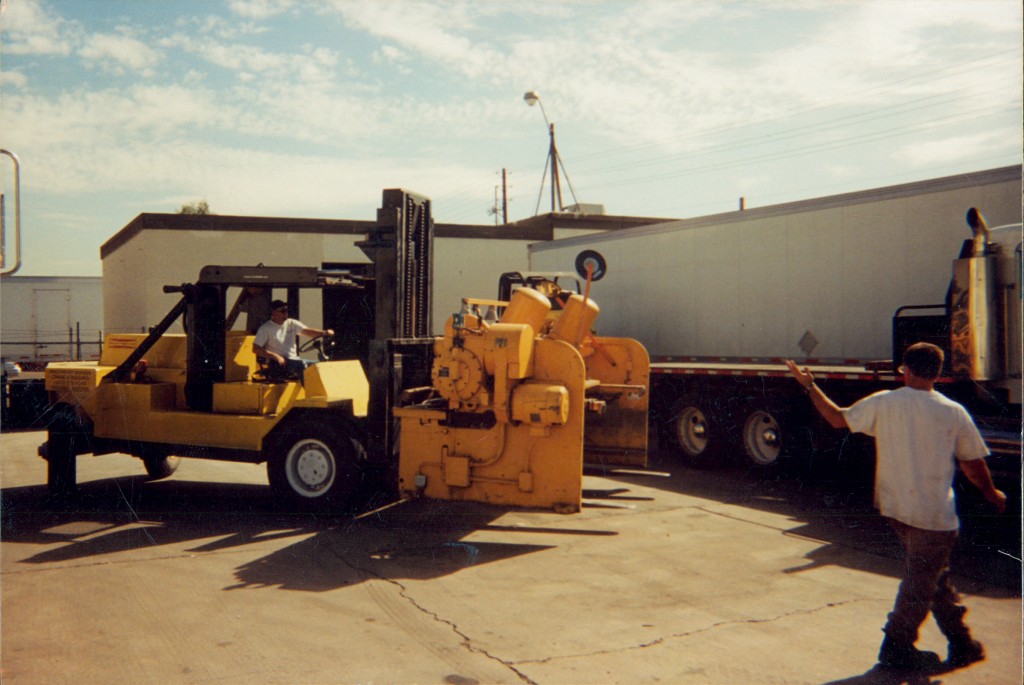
[{"x": 323, "y": 344}]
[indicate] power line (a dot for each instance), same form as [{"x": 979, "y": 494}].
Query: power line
[
  {"x": 466, "y": 201},
  {"x": 794, "y": 152},
  {"x": 853, "y": 98}
]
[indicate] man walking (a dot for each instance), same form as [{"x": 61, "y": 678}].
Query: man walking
[{"x": 918, "y": 433}]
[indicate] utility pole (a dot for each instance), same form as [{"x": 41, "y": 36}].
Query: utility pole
[
  {"x": 503, "y": 208},
  {"x": 494, "y": 208},
  {"x": 504, "y": 196}
]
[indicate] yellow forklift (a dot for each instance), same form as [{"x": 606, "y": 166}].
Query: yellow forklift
[
  {"x": 502, "y": 408},
  {"x": 204, "y": 394}
]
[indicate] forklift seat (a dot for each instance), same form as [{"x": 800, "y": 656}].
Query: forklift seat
[{"x": 271, "y": 372}]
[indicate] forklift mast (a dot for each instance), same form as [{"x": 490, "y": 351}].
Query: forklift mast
[{"x": 400, "y": 354}]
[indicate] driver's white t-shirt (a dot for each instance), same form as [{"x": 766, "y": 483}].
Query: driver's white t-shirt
[
  {"x": 280, "y": 338},
  {"x": 918, "y": 433}
]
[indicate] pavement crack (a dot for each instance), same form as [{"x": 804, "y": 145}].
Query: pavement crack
[
  {"x": 689, "y": 633},
  {"x": 466, "y": 640}
]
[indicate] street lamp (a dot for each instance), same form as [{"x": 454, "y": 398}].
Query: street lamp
[{"x": 532, "y": 98}]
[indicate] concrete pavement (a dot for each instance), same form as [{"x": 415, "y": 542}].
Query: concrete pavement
[{"x": 669, "y": 576}]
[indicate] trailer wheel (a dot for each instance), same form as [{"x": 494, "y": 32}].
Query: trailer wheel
[
  {"x": 770, "y": 435},
  {"x": 314, "y": 464},
  {"x": 161, "y": 466},
  {"x": 694, "y": 436},
  {"x": 762, "y": 437}
]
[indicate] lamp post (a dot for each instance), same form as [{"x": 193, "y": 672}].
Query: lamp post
[{"x": 532, "y": 98}]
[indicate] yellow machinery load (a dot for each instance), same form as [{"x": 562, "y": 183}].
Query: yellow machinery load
[{"x": 522, "y": 402}]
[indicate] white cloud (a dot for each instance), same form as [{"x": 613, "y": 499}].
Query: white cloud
[
  {"x": 428, "y": 29},
  {"x": 31, "y": 30},
  {"x": 955, "y": 148},
  {"x": 13, "y": 78},
  {"x": 82, "y": 126},
  {"x": 116, "y": 53},
  {"x": 260, "y": 9},
  {"x": 389, "y": 53},
  {"x": 316, "y": 64}
]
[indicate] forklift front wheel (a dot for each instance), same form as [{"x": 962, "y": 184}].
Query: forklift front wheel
[{"x": 313, "y": 463}]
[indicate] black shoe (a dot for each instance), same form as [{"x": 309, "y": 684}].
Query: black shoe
[
  {"x": 907, "y": 657},
  {"x": 965, "y": 652}
]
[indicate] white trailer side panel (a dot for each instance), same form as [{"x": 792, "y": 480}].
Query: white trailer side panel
[
  {"x": 753, "y": 283},
  {"x": 43, "y": 317}
]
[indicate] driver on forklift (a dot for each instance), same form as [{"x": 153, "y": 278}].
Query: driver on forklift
[{"x": 276, "y": 339}]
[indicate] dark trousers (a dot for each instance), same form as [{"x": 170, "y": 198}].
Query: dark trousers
[{"x": 926, "y": 586}]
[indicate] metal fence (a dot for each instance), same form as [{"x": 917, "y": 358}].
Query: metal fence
[{"x": 37, "y": 353}]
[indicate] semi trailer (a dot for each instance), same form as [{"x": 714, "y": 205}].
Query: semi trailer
[{"x": 842, "y": 286}]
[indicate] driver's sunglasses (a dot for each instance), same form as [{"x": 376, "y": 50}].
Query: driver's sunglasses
[{"x": 282, "y": 309}]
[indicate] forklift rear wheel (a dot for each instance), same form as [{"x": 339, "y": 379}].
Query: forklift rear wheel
[
  {"x": 161, "y": 466},
  {"x": 314, "y": 463}
]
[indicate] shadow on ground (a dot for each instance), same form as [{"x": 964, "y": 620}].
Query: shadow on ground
[
  {"x": 112, "y": 518},
  {"x": 425, "y": 539},
  {"x": 832, "y": 503}
]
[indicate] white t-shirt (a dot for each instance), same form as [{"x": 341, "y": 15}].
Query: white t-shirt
[
  {"x": 280, "y": 338},
  {"x": 917, "y": 434}
]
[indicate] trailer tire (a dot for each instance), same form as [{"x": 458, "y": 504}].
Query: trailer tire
[
  {"x": 694, "y": 433},
  {"x": 161, "y": 465},
  {"x": 313, "y": 464},
  {"x": 770, "y": 435}
]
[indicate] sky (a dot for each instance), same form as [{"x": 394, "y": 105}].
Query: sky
[{"x": 310, "y": 108}]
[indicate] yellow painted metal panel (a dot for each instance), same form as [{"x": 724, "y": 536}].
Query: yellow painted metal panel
[
  {"x": 194, "y": 428},
  {"x": 618, "y": 435},
  {"x": 508, "y": 350},
  {"x": 540, "y": 404},
  {"x": 240, "y": 360},
  {"x": 509, "y": 463},
  {"x": 456, "y": 471},
  {"x": 252, "y": 398},
  {"x": 341, "y": 380},
  {"x": 170, "y": 351},
  {"x": 135, "y": 399},
  {"x": 75, "y": 383}
]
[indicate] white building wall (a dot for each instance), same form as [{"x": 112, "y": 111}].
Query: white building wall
[{"x": 138, "y": 270}]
